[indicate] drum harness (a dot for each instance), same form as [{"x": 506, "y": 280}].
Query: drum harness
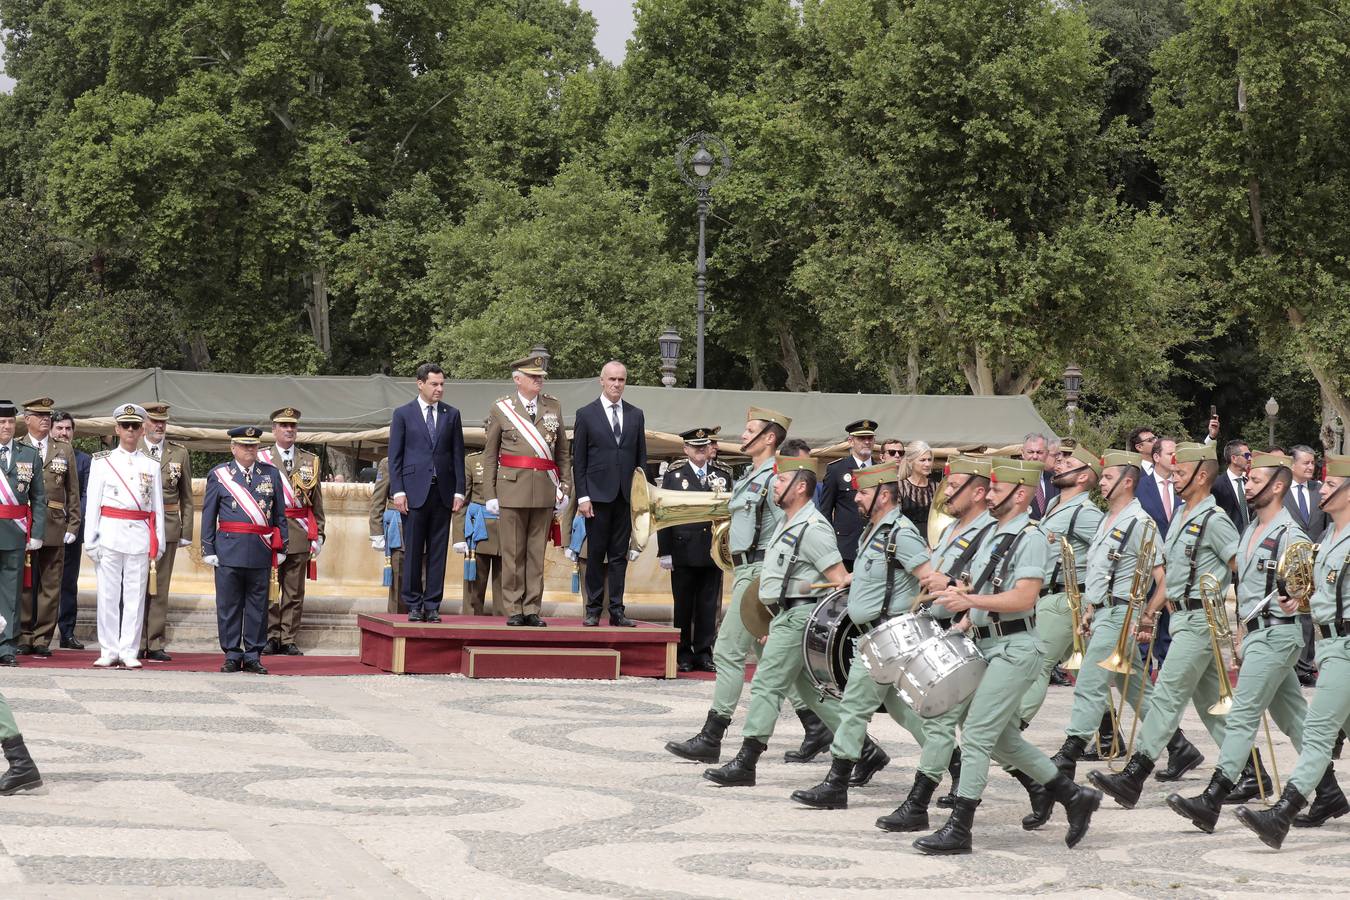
[
  {"x": 754, "y": 554},
  {"x": 1116, "y": 556},
  {"x": 784, "y": 601},
  {"x": 1002, "y": 555},
  {"x": 959, "y": 567},
  {"x": 1193, "y": 555},
  {"x": 1337, "y": 628},
  {"x": 1270, "y": 565}
]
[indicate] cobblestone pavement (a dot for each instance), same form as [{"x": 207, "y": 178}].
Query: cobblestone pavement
[{"x": 190, "y": 785}]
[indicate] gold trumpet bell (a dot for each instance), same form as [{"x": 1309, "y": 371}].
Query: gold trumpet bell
[
  {"x": 653, "y": 508},
  {"x": 1222, "y": 707},
  {"x": 1118, "y": 662},
  {"x": 1073, "y": 663}
]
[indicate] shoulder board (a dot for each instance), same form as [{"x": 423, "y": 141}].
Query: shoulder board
[
  {"x": 548, "y": 396},
  {"x": 176, "y": 444},
  {"x": 265, "y": 464},
  {"x": 1031, "y": 526},
  {"x": 502, "y": 400},
  {"x": 102, "y": 453},
  {"x": 477, "y": 454}
]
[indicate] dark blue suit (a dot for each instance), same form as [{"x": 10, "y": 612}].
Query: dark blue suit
[
  {"x": 602, "y": 471},
  {"x": 70, "y": 574},
  {"x": 1151, "y": 500},
  {"x": 245, "y": 559},
  {"x": 430, "y": 472}
]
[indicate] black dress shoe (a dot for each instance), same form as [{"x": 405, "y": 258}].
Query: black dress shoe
[
  {"x": 25, "y": 649},
  {"x": 231, "y": 665},
  {"x": 142, "y": 654},
  {"x": 9, "y": 659},
  {"x": 705, "y": 665},
  {"x": 158, "y": 656},
  {"x": 43, "y": 652},
  {"x": 534, "y": 621},
  {"x": 432, "y": 615},
  {"x": 621, "y": 621},
  {"x": 71, "y": 643},
  {"x": 416, "y": 615},
  {"x": 272, "y": 646},
  {"x": 517, "y": 619},
  {"x": 591, "y": 621},
  {"x": 684, "y": 667},
  {"x": 292, "y": 650},
  {"x": 257, "y": 668}
]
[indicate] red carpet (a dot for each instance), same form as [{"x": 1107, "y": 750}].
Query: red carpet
[
  {"x": 209, "y": 662},
  {"x": 710, "y": 676}
]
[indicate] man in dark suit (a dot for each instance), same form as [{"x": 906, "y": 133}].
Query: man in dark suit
[
  {"x": 1302, "y": 502},
  {"x": 1156, "y": 493},
  {"x": 63, "y": 429},
  {"x": 1036, "y": 448},
  {"x": 609, "y": 441},
  {"x": 1230, "y": 487},
  {"x": 686, "y": 552},
  {"x": 835, "y": 497},
  {"x": 426, "y": 481}
]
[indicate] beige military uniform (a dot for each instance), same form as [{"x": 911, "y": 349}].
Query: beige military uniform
[
  {"x": 304, "y": 474},
  {"x": 486, "y": 552},
  {"x": 61, "y": 480},
  {"x": 175, "y": 477},
  {"x": 526, "y": 496},
  {"x": 379, "y": 503}
]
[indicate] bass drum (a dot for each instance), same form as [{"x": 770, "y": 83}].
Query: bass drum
[
  {"x": 828, "y": 645},
  {"x": 886, "y": 648},
  {"x": 941, "y": 674}
]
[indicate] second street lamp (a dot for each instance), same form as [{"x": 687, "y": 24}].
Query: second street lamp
[{"x": 708, "y": 163}]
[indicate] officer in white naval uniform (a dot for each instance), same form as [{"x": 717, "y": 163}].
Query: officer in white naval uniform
[{"x": 123, "y": 533}]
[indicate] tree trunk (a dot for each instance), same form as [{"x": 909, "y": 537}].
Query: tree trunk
[
  {"x": 912, "y": 373},
  {"x": 317, "y": 307},
  {"x": 197, "y": 354},
  {"x": 792, "y": 361}
]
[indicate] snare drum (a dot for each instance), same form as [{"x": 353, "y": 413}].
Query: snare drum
[
  {"x": 885, "y": 648},
  {"x": 829, "y": 643},
  {"x": 941, "y": 674}
]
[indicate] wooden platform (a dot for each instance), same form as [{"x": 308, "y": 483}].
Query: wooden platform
[{"x": 393, "y": 644}]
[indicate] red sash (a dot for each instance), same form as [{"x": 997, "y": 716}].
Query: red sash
[
  {"x": 18, "y": 511},
  {"x": 271, "y": 536},
  {"x": 306, "y": 515},
  {"x": 528, "y": 462},
  {"x": 136, "y": 515}
]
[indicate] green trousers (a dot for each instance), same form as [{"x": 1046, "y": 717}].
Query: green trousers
[
  {"x": 782, "y": 668},
  {"x": 1092, "y": 691},
  {"x": 862, "y": 698},
  {"x": 11, "y": 584},
  {"x": 734, "y": 647},
  {"x": 1054, "y": 627},
  {"x": 1188, "y": 673},
  {"x": 9, "y": 728},
  {"x": 1265, "y": 681},
  {"x": 992, "y": 730},
  {"x": 939, "y": 741},
  {"x": 1327, "y": 714}
]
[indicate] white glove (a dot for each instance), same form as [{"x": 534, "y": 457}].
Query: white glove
[
  {"x": 34, "y": 544},
  {"x": 69, "y": 538},
  {"x": 160, "y": 555},
  {"x": 3, "y": 623},
  {"x": 633, "y": 554},
  {"x": 281, "y": 558},
  {"x": 93, "y": 551},
  {"x": 493, "y": 507},
  {"x": 570, "y": 554},
  {"x": 211, "y": 560},
  {"x": 666, "y": 562},
  {"x": 461, "y": 548},
  {"x": 185, "y": 542},
  {"x": 377, "y": 542},
  {"x": 560, "y": 502},
  {"x": 314, "y": 550}
]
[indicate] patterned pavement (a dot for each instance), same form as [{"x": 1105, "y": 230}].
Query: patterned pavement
[{"x": 194, "y": 785}]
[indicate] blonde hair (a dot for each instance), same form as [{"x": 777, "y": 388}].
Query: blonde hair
[{"x": 913, "y": 450}]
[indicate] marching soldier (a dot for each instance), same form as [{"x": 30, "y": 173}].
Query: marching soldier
[
  {"x": 892, "y": 557},
  {"x": 477, "y": 530},
  {"x": 1331, "y": 703},
  {"x": 301, "y": 475},
  {"x": 23, "y": 507},
  {"x": 386, "y": 534},
  {"x": 966, "y": 494},
  {"x": 1009, "y": 570},
  {"x": 243, "y": 519},
  {"x": 1273, "y": 641},
  {"x": 686, "y": 552},
  {"x": 175, "y": 476},
  {"x": 1201, "y": 541},
  {"x": 525, "y": 466},
  {"x": 61, "y": 481},
  {"x": 124, "y": 536},
  {"x": 22, "y": 773},
  {"x": 837, "y": 490}
]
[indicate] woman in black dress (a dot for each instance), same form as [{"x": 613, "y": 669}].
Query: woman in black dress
[{"x": 916, "y": 484}]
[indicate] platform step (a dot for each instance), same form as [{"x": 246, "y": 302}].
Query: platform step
[{"x": 541, "y": 662}]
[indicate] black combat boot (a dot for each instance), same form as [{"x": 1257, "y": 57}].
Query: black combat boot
[
  {"x": 1079, "y": 804},
  {"x": 1246, "y": 789},
  {"x": 1328, "y": 802},
  {"x": 1272, "y": 825},
  {"x": 1340, "y": 744},
  {"x": 815, "y": 741},
  {"x": 912, "y": 815},
  {"x": 706, "y": 746},
  {"x": 1203, "y": 811},
  {"x": 954, "y": 837},
  {"x": 740, "y": 772},
  {"x": 1042, "y": 804},
  {"x": 1101, "y": 745},
  {"x": 954, "y": 770},
  {"x": 23, "y": 773},
  {"x": 872, "y": 761},
  {"x": 1126, "y": 786},
  {"x": 1066, "y": 760},
  {"x": 1182, "y": 756},
  {"x": 832, "y": 793}
]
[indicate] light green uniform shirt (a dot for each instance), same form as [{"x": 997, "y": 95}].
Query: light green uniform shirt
[
  {"x": 1256, "y": 561},
  {"x": 1202, "y": 537},
  {"x": 1118, "y": 539},
  {"x": 751, "y": 502},
  {"x": 867, "y": 593},
  {"x": 1331, "y": 563},
  {"x": 808, "y": 536},
  {"x": 1027, "y": 558},
  {"x": 951, "y": 545},
  {"x": 1076, "y": 519}
]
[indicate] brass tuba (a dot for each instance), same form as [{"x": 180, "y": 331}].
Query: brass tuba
[
  {"x": 653, "y": 508},
  {"x": 938, "y": 519},
  {"x": 721, "y": 545},
  {"x": 1069, "y": 563},
  {"x": 1220, "y": 631}
]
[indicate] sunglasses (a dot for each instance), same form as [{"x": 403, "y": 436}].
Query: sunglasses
[
  {"x": 895, "y": 453},
  {"x": 130, "y": 426},
  {"x": 1248, "y": 454}
]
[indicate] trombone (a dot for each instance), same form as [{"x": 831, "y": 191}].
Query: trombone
[
  {"x": 1069, "y": 563},
  {"x": 1121, "y": 660}
]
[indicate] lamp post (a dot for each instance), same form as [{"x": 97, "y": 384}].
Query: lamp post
[
  {"x": 669, "y": 342},
  {"x": 702, "y": 160},
  {"x": 1073, "y": 389},
  {"x": 1272, "y": 410},
  {"x": 542, "y": 352}
]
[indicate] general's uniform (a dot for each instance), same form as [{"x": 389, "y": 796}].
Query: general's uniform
[
  {"x": 301, "y": 482},
  {"x": 175, "y": 476},
  {"x": 837, "y": 493},
  {"x": 124, "y": 534},
  {"x": 23, "y": 517},
  {"x": 487, "y": 551},
  {"x": 61, "y": 481},
  {"x": 387, "y": 529},
  {"x": 695, "y": 581}
]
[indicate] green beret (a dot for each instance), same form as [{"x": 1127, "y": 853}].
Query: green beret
[
  {"x": 1336, "y": 466},
  {"x": 795, "y": 463},
  {"x": 967, "y": 465},
  {"x": 1087, "y": 458},
  {"x": 1195, "y": 453},
  {"x": 1112, "y": 458},
  {"x": 1015, "y": 471},
  {"x": 1271, "y": 461},
  {"x": 886, "y": 473}
]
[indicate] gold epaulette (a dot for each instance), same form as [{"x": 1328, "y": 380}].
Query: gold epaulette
[{"x": 102, "y": 453}]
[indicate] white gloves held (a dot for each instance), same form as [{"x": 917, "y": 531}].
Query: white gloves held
[
  {"x": 493, "y": 507},
  {"x": 34, "y": 544},
  {"x": 666, "y": 562},
  {"x": 377, "y": 542},
  {"x": 315, "y": 548},
  {"x": 461, "y": 548},
  {"x": 69, "y": 538},
  {"x": 560, "y": 502},
  {"x": 93, "y": 551},
  {"x": 570, "y": 554},
  {"x": 212, "y": 560},
  {"x": 633, "y": 554},
  {"x": 281, "y": 558},
  {"x": 185, "y": 542}
]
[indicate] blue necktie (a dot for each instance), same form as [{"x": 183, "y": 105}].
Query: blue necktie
[
  {"x": 431, "y": 426},
  {"x": 1303, "y": 501},
  {"x": 614, "y": 420}
]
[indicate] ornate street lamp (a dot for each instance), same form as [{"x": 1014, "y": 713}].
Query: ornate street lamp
[
  {"x": 669, "y": 342},
  {"x": 1073, "y": 389},
  {"x": 1272, "y": 411},
  {"x": 702, "y": 160}
]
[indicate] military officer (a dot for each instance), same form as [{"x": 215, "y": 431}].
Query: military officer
[
  {"x": 124, "y": 536},
  {"x": 685, "y": 551},
  {"x": 1009, "y": 570},
  {"x": 892, "y": 557},
  {"x": 966, "y": 493},
  {"x": 1201, "y": 541},
  {"x": 175, "y": 477},
  {"x": 386, "y": 534},
  {"x": 243, "y": 519},
  {"x": 525, "y": 471},
  {"x": 23, "y": 507},
  {"x": 21, "y": 773},
  {"x": 61, "y": 481},
  {"x": 1270, "y": 648},
  {"x": 836, "y": 493},
  {"x": 474, "y": 521},
  {"x": 301, "y": 474},
  {"x": 1330, "y": 708}
]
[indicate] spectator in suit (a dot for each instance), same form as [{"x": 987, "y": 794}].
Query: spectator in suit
[
  {"x": 1141, "y": 441},
  {"x": 1303, "y": 504},
  {"x": 1156, "y": 492},
  {"x": 609, "y": 441},
  {"x": 834, "y": 498},
  {"x": 1035, "y": 448},
  {"x": 1230, "y": 488},
  {"x": 426, "y": 478},
  {"x": 63, "y": 429}
]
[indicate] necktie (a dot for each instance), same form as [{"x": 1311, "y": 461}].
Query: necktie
[
  {"x": 1040, "y": 494},
  {"x": 529, "y": 408},
  {"x": 4, "y": 456},
  {"x": 288, "y": 462},
  {"x": 248, "y": 476},
  {"x": 1303, "y": 501},
  {"x": 1242, "y": 499},
  {"x": 154, "y": 453},
  {"x": 702, "y": 478},
  {"x": 1166, "y": 490},
  {"x": 431, "y": 425},
  {"x": 614, "y": 420}
]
